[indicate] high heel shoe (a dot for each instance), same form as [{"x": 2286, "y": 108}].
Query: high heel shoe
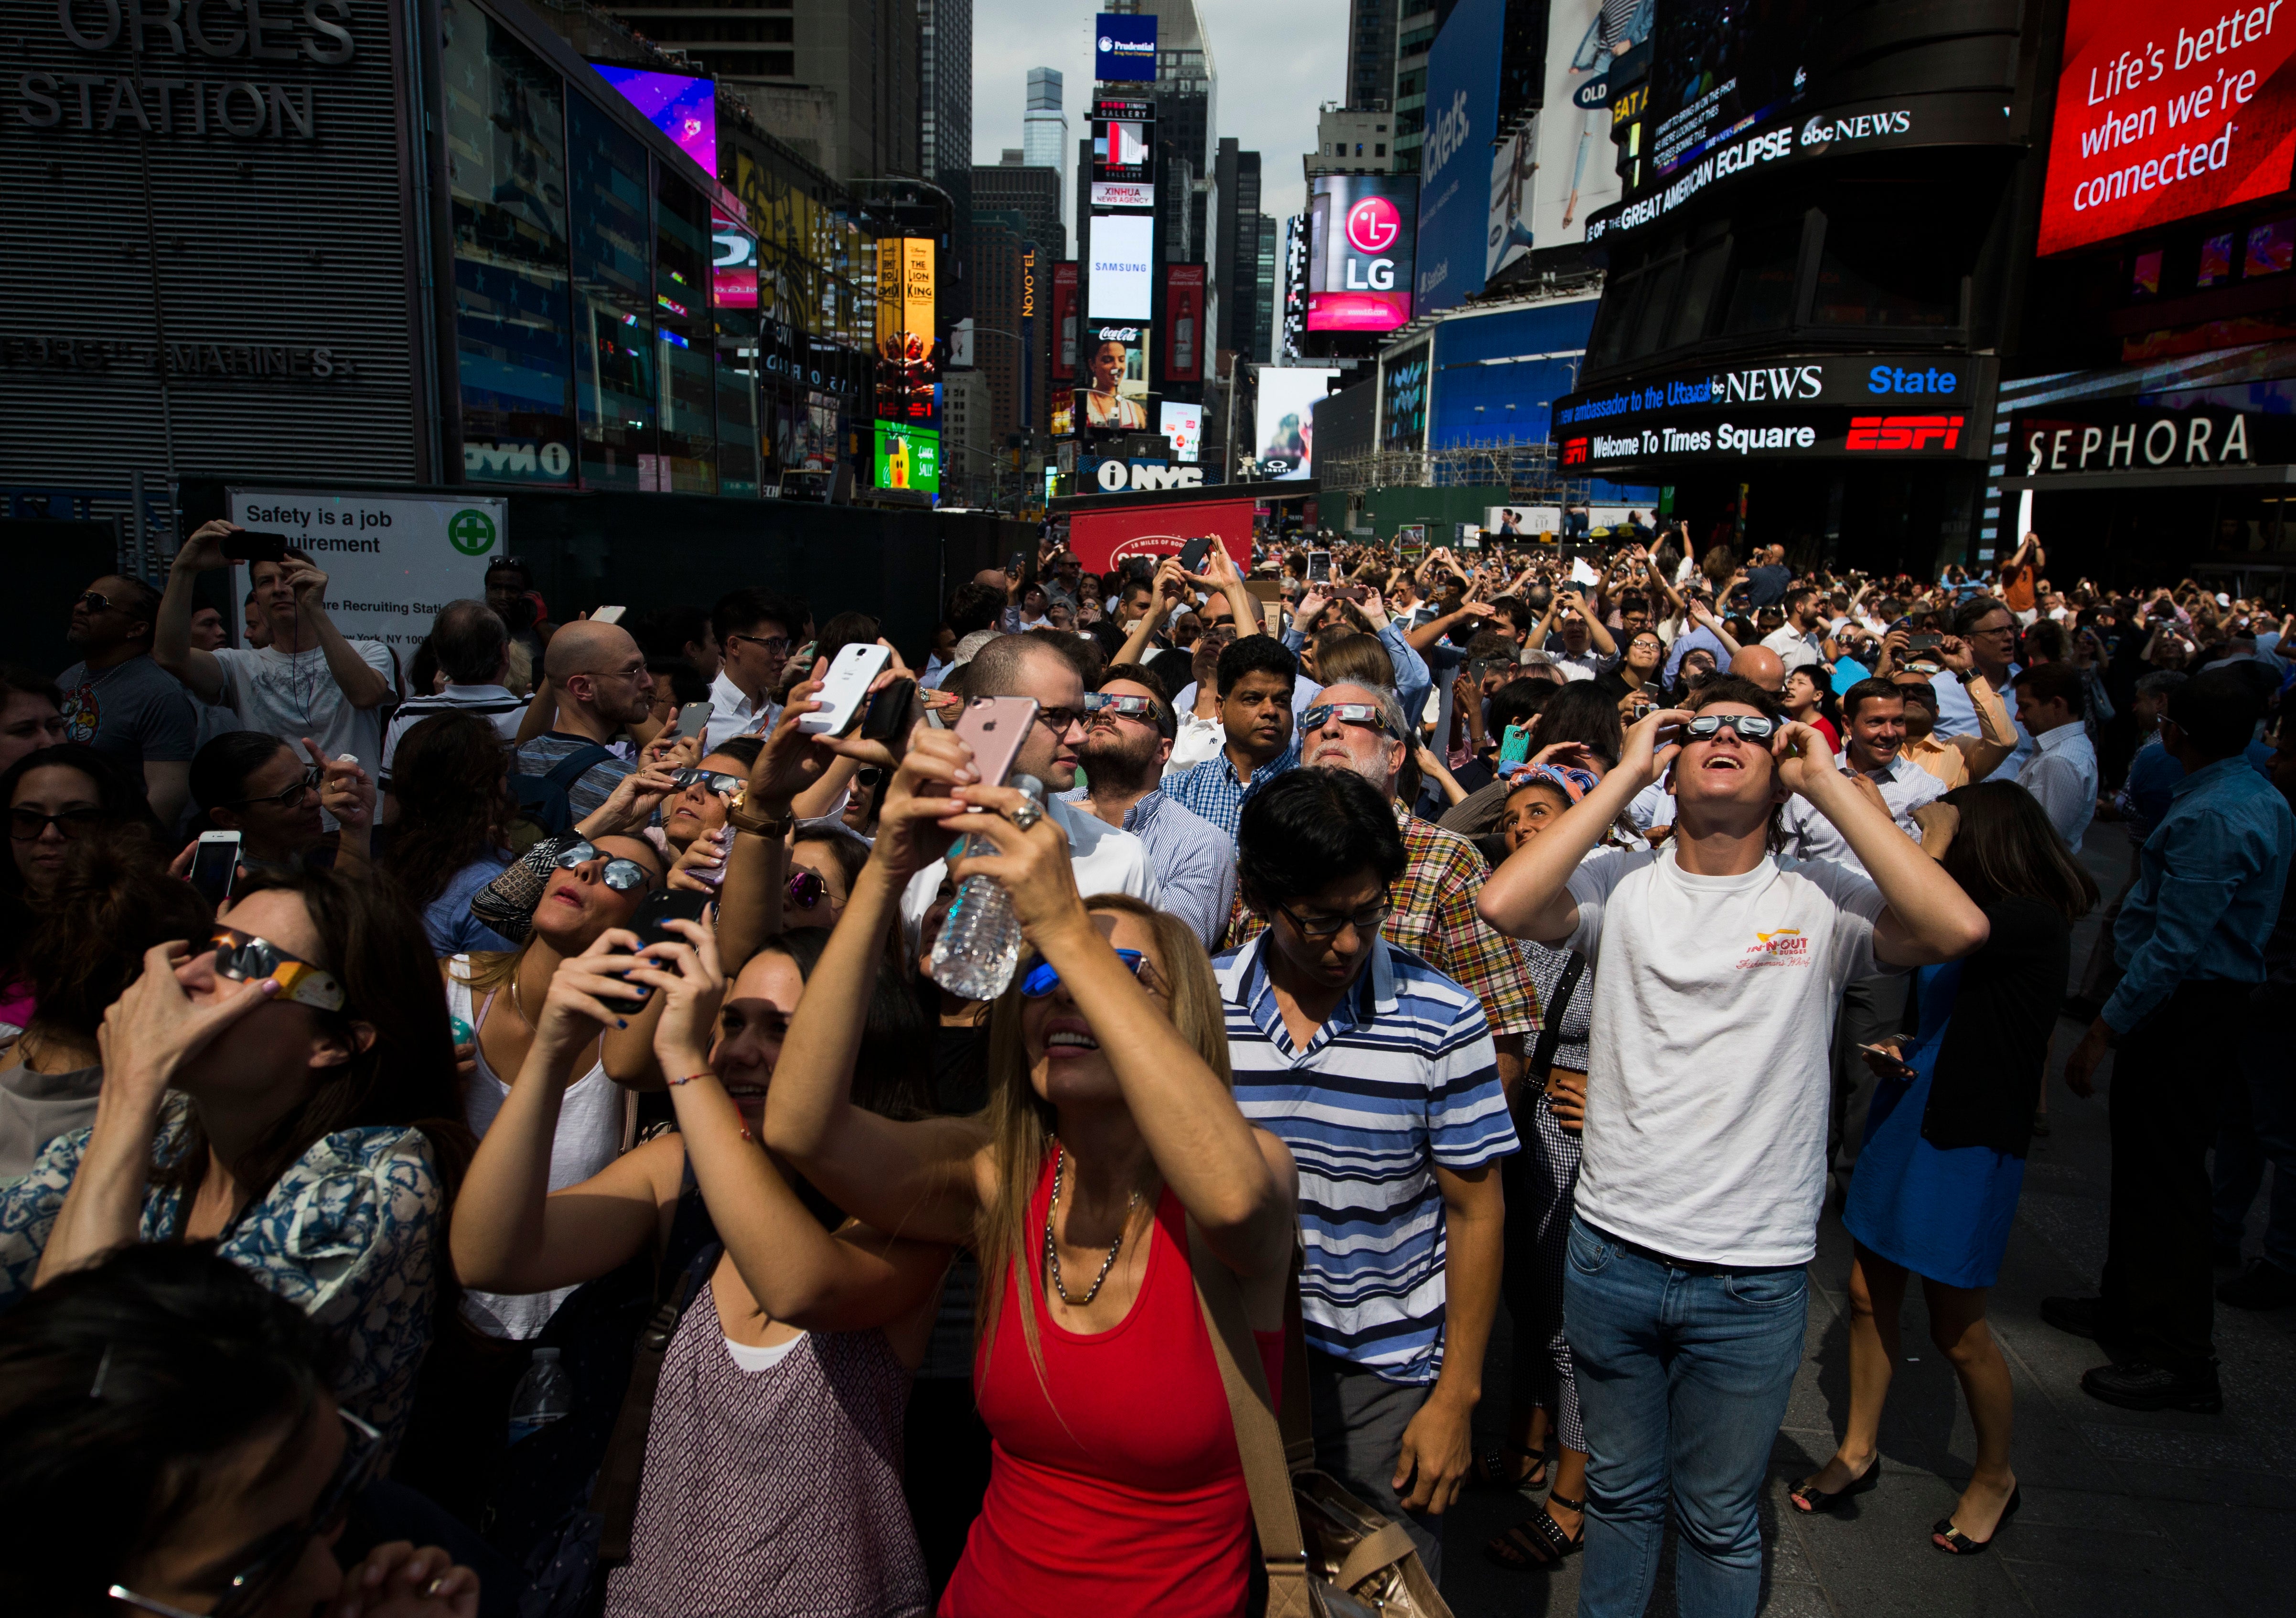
[
  {"x": 1814, "y": 1500},
  {"x": 1951, "y": 1540}
]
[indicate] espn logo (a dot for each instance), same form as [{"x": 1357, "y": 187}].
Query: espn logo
[
  {"x": 1574, "y": 452},
  {"x": 1904, "y": 431}
]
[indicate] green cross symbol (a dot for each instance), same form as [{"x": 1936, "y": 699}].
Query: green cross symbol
[{"x": 472, "y": 532}]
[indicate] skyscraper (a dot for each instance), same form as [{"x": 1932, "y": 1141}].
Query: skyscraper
[
  {"x": 945, "y": 134},
  {"x": 1371, "y": 53},
  {"x": 1186, "y": 93},
  {"x": 1045, "y": 130}
]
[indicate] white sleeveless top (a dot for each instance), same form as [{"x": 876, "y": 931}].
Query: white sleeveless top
[{"x": 589, "y": 1137}]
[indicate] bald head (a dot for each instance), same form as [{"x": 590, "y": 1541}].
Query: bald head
[
  {"x": 599, "y": 671},
  {"x": 1759, "y": 664},
  {"x": 586, "y": 648}
]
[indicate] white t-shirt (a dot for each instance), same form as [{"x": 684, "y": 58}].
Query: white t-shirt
[
  {"x": 1106, "y": 861},
  {"x": 1711, "y": 1035},
  {"x": 293, "y": 696}
]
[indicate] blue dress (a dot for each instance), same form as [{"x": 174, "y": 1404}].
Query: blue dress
[{"x": 1943, "y": 1214}]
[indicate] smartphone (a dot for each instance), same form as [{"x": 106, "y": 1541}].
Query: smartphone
[
  {"x": 672, "y": 904},
  {"x": 1514, "y": 747},
  {"x": 1016, "y": 564},
  {"x": 845, "y": 688},
  {"x": 215, "y": 865},
  {"x": 995, "y": 728},
  {"x": 693, "y": 720},
  {"x": 1319, "y": 567},
  {"x": 608, "y": 615},
  {"x": 1192, "y": 555},
  {"x": 1882, "y": 1056},
  {"x": 1924, "y": 642},
  {"x": 892, "y": 713},
  {"x": 248, "y": 545}
]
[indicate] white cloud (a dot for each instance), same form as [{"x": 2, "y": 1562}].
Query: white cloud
[{"x": 1277, "y": 63}]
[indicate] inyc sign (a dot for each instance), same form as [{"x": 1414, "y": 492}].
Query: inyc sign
[
  {"x": 1115, "y": 477},
  {"x": 195, "y": 32}
]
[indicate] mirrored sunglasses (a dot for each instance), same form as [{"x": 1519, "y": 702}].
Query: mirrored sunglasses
[
  {"x": 1045, "y": 977},
  {"x": 621, "y": 875},
  {"x": 806, "y": 888},
  {"x": 243, "y": 958},
  {"x": 1752, "y": 726},
  {"x": 723, "y": 785}
]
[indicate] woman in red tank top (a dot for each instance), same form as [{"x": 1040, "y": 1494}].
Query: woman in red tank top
[{"x": 1115, "y": 1486}]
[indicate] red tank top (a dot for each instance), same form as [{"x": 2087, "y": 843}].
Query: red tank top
[{"x": 1124, "y": 1494}]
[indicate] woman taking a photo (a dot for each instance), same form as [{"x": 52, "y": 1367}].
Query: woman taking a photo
[
  {"x": 1937, "y": 1182},
  {"x": 1109, "y": 1129},
  {"x": 282, "y": 1088},
  {"x": 252, "y": 783}
]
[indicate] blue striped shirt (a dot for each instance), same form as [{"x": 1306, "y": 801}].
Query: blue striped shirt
[
  {"x": 1403, "y": 1078},
  {"x": 1211, "y": 791}
]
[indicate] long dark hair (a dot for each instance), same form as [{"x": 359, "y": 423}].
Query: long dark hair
[
  {"x": 374, "y": 943},
  {"x": 2006, "y": 848},
  {"x": 119, "y": 799},
  {"x": 114, "y": 901},
  {"x": 892, "y": 1071},
  {"x": 122, "y": 1386},
  {"x": 454, "y": 805}
]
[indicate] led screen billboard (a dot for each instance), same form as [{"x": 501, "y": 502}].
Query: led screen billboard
[
  {"x": 1121, "y": 282},
  {"x": 1114, "y": 394},
  {"x": 1462, "y": 85},
  {"x": 733, "y": 264},
  {"x": 683, "y": 108},
  {"x": 1719, "y": 65},
  {"x": 1184, "y": 425},
  {"x": 907, "y": 366},
  {"x": 1549, "y": 175},
  {"x": 1284, "y": 424},
  {"x": 1124, "y": 142},
  {"x": 1124, "y": 47},
  {"x": 1065, "y": 307},
  {"x": 908, "y": 457},
  {"x": 1359, "y": 260},
  {"x": 2165, "y": 109},
  {"x": 1184, "y": 322}
]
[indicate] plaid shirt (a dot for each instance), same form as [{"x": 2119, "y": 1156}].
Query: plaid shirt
[
  {"x": 1434, "y": 917},
  {"x": 1212, "y": 791}
]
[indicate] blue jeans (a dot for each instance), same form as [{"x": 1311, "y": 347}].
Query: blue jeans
[{"x": 1683, "y": 1380}]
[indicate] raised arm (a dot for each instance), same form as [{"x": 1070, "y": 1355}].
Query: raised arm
[
  {"x": 1703, "y": 616},
  {"x": 1996, "y": 737},
  {"x": 362, "y": 685},
  {"x": 171, "y": 635},
  {"x": 1529, "y": 896},
  {"x": 1220, "y": 573}
]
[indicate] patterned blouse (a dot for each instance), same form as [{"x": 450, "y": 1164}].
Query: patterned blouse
[{"x": 348, "y": 1235}]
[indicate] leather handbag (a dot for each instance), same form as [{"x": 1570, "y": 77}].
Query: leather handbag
[{"x": 1327, "y": 1554}]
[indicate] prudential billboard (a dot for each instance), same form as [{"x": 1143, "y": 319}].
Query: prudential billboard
[
  {"x": 1124, "y": 47},
  {"x": 1462, "y": 90}
]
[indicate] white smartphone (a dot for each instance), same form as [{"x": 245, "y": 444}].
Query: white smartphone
[
  {"x": 693, "y": 721},
  {"x": 608, "y": 615},
  {"x": 215, "y": 865},
  {"x": 844, "y": 690}
]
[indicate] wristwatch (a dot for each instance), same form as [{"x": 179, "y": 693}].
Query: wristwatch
[{"x": 738, "y": 817}]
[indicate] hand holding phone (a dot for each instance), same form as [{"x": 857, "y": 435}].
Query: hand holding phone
[
  {"x": 246, "y": 544},
  {"x": 671, "y": 904},
  {"x": 1886, "y": 1062},
  {"x": 843, "y": 691},
  {"x": 693, "y": 720},
  {"x": 996, "y": 727},
  {"x": 215, "y": 865}
]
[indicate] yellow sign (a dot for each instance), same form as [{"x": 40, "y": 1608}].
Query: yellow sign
[
  {"x": 1029, "y": 284},
  {"x": 904, "y": 298}
]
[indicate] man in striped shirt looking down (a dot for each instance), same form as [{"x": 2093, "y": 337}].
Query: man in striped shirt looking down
[{"x": 1380, "y": 1073}]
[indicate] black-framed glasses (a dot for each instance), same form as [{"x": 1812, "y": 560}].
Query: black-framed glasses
[
  {"x": 723, "y": 785},
  {"x": 621, "y": 875},
  {"x": 1363, "y": 716},
  {"x": 1060, "y": 719},
  {"x": 772, "y": 644},
  {"x": 1750, "y": 727},
  {"x": 27, "y": 825},
  {"x": 286, "y": 797},
  {"x": 1323, "y": 928},
  {"x": 271, "y": 1559},
  {"x": 806, "y": 888}
]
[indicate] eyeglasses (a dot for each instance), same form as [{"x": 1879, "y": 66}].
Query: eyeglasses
[
  {"x": 1750, "y": 726},
  {"x": 1045, "y": 977},
  {"x": 1130, "y": 707},
  {"x": 1059, "y": 720},
  {"x": 621, "y": 875},
  {"x": 243, "y": 958},
  {"x": 725, "y": 787},
  {"x": 94, "y": 601},
  {"x": 286, "y": 797},
  {"x": 774, "y": 646},
  {"x": 806, "y": 888},
  {"x": 275, "y": 1555},
  {"x": 27, "y": 825},
  {"x": 1365, "y": 716},
  {"x": 1324, "y": 928}
]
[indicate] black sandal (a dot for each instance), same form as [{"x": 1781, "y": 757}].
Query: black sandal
[
  {"x": 1492, "y": 1471},
  {"x": 1946, "y": 1537},
  {"x": 1811, "y": 1501},
  {"x": 1539, "y": 1541}
]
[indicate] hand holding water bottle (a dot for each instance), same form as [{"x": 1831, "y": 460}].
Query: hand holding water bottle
[
  {"x": 1032, "y": 864},
  {"x": 909, "y": 832}
]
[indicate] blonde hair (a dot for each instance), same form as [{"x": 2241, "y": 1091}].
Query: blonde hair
[{"x": 1021, "y": 1123}]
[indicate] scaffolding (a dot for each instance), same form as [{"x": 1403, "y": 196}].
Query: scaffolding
[{"x": 1524, "y": 468}]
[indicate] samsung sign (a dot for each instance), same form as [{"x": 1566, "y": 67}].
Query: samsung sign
[
  {"x": 1121, "y": 282},
  {"x": 1125, "y": 47}
]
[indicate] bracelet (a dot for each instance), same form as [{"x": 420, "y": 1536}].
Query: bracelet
[
  {"x": 690, "y": 1078},
  {"x": 739, "y": 818}
]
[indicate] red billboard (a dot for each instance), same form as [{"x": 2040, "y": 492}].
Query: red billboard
[
  {"x": 1065, "y": 321},
  {"x": 1184, "y": 322},
  {"x": 1130, "y": 526},
  {"x": 2166, "y": 109}
]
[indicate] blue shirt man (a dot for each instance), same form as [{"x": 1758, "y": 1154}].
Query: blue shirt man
[{"x": 1256, "y": 677}]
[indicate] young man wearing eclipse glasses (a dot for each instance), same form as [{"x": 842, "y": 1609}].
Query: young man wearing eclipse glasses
[{"x": 1717, "y": 973}]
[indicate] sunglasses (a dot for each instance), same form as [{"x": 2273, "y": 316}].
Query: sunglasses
[
  {"x": 26, "y": 824},
  {"x": 243, "y": 958},
  {"x": 723, "y": 785},
  {"x": 286, "y": 797},
  {"x": 1043, "y": 977},
  {"x": 1750, "y": 726},
  {"x": 1129, "y": 707},
  {"x": 868, "y": 776},
  {"x": 275, "y": 1555},
  {"x": 1324, "y": 928},
  {"x": 94, "y": 601},
  {"x": 621, "y": 875},
  {"x": 1365, "y": 716},
  {"x": 806, "y": 888}
]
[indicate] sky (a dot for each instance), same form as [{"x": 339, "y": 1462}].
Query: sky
[{"x": 1278, "y": 64}]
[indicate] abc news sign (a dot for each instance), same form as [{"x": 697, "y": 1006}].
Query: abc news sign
[{"x": 1834, "y": 406}]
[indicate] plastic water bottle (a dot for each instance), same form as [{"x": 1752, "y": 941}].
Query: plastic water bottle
[
  {"x": 979, "y": 944},
  {"x": 545, "y": 1394}
]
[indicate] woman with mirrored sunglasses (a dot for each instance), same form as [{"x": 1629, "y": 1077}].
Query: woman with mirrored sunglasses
[
  {"x": 52, "y": 795},
  {"x": 693, "y": 829},
  {"x": 170, "y": 1420},
  {"x": 283, "y": 1087}
]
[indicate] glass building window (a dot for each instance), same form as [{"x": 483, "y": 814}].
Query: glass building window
[
  {"x": 1762, "y": 280},
  {"x": 614, "y": 341},
  {"x": 506, "y": 141},
  {"x": 687, "y": 337}
]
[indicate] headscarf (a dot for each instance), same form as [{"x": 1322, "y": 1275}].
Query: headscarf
[{"x": 1573, "y": 782}]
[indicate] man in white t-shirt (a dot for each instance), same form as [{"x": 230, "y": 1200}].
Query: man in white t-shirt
[
  {"x": 309, "y": 682},
  {"x": 1716, "y": 976}
]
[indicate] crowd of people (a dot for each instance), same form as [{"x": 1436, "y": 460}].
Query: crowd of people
[{"x": 472, "y": 1142}]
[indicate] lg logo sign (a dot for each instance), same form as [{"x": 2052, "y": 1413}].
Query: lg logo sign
[{"x": 1373, "y": 225}]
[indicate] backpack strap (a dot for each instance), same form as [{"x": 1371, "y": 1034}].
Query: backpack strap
[
  {"x": 576, "y": 765},
  {"x": 615, "y": 1496},
  {"x": 1550, "y": 1033}
]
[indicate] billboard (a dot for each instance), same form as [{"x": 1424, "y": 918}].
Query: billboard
[
  {"x": 1717, "y": 66},
  {"x": 1184, "y": 322},
  {"x": 1124, "y": 142},
  {"x": 907, "y": 457},
  {"x": 733, "y": 264},
  {"x": 1359, "y": 257},
  {"x": 1522, "y": 521},
  {"x": 2148, "y": 131},
  {"x": 683, "y": 108},
  {"x": 1548, "y": 176},
  {"x": 1113, "y": 397},
  {"x": 1125, "y": 47},
  {"x": 1284, "y": 425},
  {"x": 905, "y": 364},
  {"x": 1402, "y": 400},
  {"x": 1065, "y": 312},
  {"x": 1462, "y": 83},
  {"x": 1184, "y": 425},
  {"x": 1121, "y": 282}
]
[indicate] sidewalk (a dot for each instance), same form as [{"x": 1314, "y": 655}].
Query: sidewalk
[{"x": 2187, "y": 1516}]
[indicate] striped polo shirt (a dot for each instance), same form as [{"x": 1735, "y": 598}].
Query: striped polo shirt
[{"x": 1403, "y": 1076}]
